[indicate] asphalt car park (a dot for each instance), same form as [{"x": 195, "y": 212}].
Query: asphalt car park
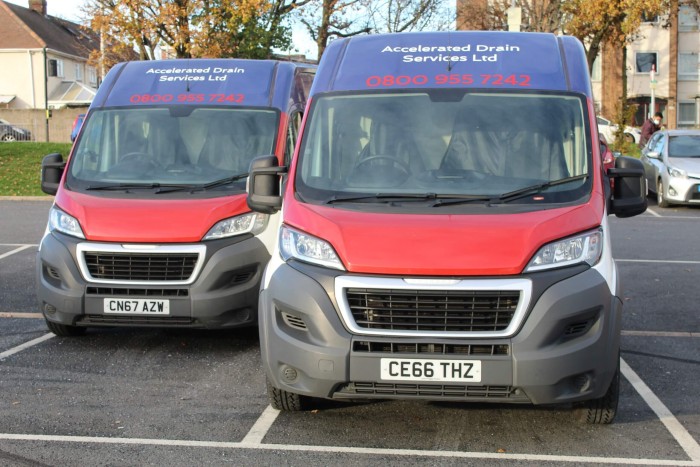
[{"x": 119, "y": 396}]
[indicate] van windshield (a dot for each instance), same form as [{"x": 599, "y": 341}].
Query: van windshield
[
  {"x": 171, "y": 146},
  {"x": 445, "y": 146}
]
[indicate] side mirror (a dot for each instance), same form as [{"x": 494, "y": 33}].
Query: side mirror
[
  {"x": 653, "y": 155},
  {"x": 264, "y": 185},
  {"x": 630, "y": 189},
  {"x": 51, "y": 172}
]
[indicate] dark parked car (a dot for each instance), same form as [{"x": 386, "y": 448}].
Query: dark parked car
[
  {"x": 77, "y": 123},
  {"x": 10, "y": 132}
]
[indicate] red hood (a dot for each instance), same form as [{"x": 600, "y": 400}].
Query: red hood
[
  {"x": 448, "y": 245},
  {"x": 148, "y": 220}
]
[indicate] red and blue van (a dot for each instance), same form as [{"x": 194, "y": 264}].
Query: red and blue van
[
  {"x": 150, "y": 226},
  {"x": 444, "y": 230}
]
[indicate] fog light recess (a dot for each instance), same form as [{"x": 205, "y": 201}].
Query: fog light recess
[{"x": 288, "y": 374}]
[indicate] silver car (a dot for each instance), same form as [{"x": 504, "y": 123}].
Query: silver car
[{"x": 671, "y": 161}]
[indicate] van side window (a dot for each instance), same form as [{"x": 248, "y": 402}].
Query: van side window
[{"x": 292, "y": 136}]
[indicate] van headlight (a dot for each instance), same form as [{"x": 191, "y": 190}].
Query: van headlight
[
  {"x": 584, "y": 248},
  {"x": 252, "y": 222},
  {"x": 307, "y": 248},
  {"x": 64, "y": 223}
]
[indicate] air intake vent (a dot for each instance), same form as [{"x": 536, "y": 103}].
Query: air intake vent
[
  {"x": 423, "y": 348},
  {"x": 577, "y": 328},
  {"x": 140, "y": 266},
  {"x": 53, "y": 273},
  {"x": 432, "y": 310},
  {"x": 294, "y": 322}
]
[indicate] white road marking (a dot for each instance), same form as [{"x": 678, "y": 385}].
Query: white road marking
[
  {"x": 20, "y": 315},
  {"x": 261, "y": 426},
  {"x": 653, "y": 213},
  {"x": 655, "y": 261},
  {"x": 26, "y": 345},
  {"x": 661, "y": 333},
  {"x": 348, "y": 450},
  {"x": 687, "y": 442},
  {"x": 254, "y": 437},
  {"x": 16, "y": 250}
]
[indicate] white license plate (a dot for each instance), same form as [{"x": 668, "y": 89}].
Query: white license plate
[
  {"x": 137, "y": 306},
  {"x": 411, "y": 369}
]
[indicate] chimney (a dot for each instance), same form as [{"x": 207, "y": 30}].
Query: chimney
[{"x": 39, "y": 6}]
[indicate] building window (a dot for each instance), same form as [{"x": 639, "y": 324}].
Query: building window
[
  {"x": 597, "y": 72},
  {"x": 92, "y": 75},
  {"x": 55, "y": 68},
  {"x": 688, "y": 66},
  {"x": 644, "y": 61},
  {"x": 78, "y": 71},
  {"x": 686, "y": 114},
  {"x": 687, "y": 19}
]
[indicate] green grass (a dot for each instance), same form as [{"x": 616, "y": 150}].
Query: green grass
[{"x": 20, "y": 166}]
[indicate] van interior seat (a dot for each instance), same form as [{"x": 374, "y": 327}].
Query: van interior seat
[{"x": 495, "y": 146}]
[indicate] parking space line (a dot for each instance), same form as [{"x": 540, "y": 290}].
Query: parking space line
[
  {"x": 261, "y": 426},
  {"x": 661, "y": 333},
  {"x": 677, "y": 430},
  {"x": 26, "y": 345},
  {"x": 349, "y": 450},
  {"x": 655, "y": 261},
  {"x": 653, "y": 213},
  {"x": 20, "y": 315},
  {"x": 16, "y": 250}
]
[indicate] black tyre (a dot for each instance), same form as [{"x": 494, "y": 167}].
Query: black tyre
[
  {"x": 601, "y": 411},
  {"x": 660, "y": 198},
  {"x": 286, "y": 401},
  {"x": 65, "y": 330},
  {"x": 8, "y": 138}
]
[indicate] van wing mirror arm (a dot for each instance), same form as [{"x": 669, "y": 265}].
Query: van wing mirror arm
[
  {"x": 52, "y": 167},
  {"x": 629, "y": 196},
  {"x": 264, "y": 185}
]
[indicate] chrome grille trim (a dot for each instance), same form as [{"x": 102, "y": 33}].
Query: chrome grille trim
[
  {"x": 522, "y": 286},
  {"x": 139, "y": 249}
]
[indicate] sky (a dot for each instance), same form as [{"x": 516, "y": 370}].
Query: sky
[{"x": 70, "y": 10}]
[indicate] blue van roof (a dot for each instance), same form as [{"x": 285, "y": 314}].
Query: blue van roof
[
  {"x": 478, "y": 59},
  {"x": 226, "y": 82}
]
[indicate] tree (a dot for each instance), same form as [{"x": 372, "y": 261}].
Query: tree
[
  {"x": 408, "y": 15},
  {"x": 614, "y": 22},
  {"x": 328, "y": 19},
  {"x": 194, "y": 28},
  {"x": 537, "y": 15}
]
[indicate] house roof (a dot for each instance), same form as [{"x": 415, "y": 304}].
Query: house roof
[{"x": 23, "y": 28}]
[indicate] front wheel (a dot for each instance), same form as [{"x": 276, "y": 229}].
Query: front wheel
[
  {"x": 601, "y": 411},
  {"x": 65, "y": 330},
  {"x": 286, "y": 401},
  {"x": 660, "y": 198}
]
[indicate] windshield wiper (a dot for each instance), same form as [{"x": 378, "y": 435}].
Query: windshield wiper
[
  {"x": 218, "y": 183},
  {"x": 510, "y": 196},
  {"x": 382, "y": 198},
  {"x": 534, "y": 189},
  {"x": 133, "y": 186}
]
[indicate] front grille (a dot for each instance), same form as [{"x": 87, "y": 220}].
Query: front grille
[
  {"x": 432, "y": 310},
  {"x": 132, "y": 292},
  {"x": 140, "y": 266},
  {"x": 431, "y": 391},
  {"x": 422, "y": 348},
  {"x": 695, "y": 192},
  {"x": 87, "y": 320}
]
